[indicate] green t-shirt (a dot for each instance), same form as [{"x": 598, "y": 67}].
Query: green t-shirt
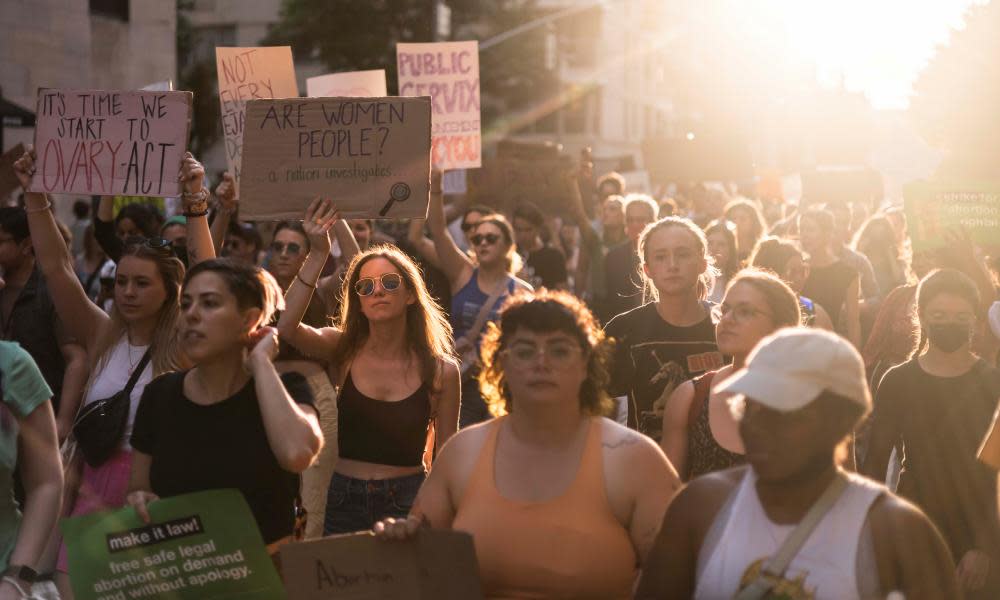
[{"x": 24, "y": 390}]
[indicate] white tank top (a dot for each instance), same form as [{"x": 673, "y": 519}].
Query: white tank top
[
  {"x": 824, "y": 568},
  {"x": 111, "y": 379}
]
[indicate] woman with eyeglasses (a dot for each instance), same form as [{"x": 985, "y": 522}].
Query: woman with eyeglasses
[
  {"x": 479, "y": 287},
  {"x": 391, "y": 354},
  {"x": 560, "y": 502},
  {"x": 139, "y": 334},
  {"x": 700, "y": 434}
]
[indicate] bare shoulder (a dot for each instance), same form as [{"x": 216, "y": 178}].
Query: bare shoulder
[
  {"x": 702, "y": 497},
  {"x": 895, "y": 516},
  {"x": 679, "y": 403},
  {"x": 459, "y": 454},
  {"x": 629, "y": 443},
  {"x": 449, "y": 367}
]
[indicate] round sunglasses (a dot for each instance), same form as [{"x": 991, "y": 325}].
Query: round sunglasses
[{"x": 390, "y": 283}]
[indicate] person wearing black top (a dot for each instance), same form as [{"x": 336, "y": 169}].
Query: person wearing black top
[
  {"x": 621, "y": 264},
  {"x": 544, "y": 266},
  {"x": 670, "y": 340},
  {"x": 832, "y": 283},
  {"x": 231, "y": 421}
]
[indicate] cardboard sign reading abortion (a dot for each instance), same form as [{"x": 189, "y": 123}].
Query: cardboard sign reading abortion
[
  {"x": 934, "y": 208},
  {"x": 439, "y": 565},
  {"x": 110, "y": 142},
  {"x": 353, "y": 84},
  {"x": 246, "y": 74},
  {"x": 371, "y": 155},
  {"x": 448, "y": 72},
  {"x": 199, "y": 546}
]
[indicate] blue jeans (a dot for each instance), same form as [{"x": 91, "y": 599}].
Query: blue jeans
[{"x": 357, "y": 504}]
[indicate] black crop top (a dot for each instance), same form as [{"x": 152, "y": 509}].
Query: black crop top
[{"x": 379, "y": 432}]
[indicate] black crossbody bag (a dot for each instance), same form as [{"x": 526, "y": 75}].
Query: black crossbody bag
[{"x": 100, "y": 426}]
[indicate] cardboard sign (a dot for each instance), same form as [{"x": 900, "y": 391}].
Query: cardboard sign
[
  {"x": 371, "y": 155},
  {"x": 160, "y": 86},
  {"x": 199, "y": 546},
  {"x": 439, "y": 565},
  {"x": 8, "y": 178},
  {"x": 246, "y": 74},
  {"x": 933, "y": 208},
  {"x": 353, "y": 84},
  {"x": 110, "y": 142},
  {"x": 448, "y": 72},
  {"x": 532, "y": 172}
]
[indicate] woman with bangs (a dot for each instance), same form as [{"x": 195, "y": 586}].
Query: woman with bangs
[
  {"x": 579, "y": 522},
  {"x": 392, "y": 356},
  {"x": 139, "y": 335}
]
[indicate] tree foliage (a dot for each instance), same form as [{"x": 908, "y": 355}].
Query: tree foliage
[{"x": 955, "y": 99}]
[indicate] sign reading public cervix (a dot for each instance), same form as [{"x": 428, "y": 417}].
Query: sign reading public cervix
[
  {"x": 371, "y": 156},
  {"x": 245, "y": 74},
  {"x": 200, "y": 546},
  {"x": 448, "y": 72},
  {"x": 110, "y": 142}
]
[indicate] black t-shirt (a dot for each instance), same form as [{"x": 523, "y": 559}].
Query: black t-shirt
[
  {"x": 223, "y": 445},
  {"x": 549, "y": 267},
  {"x": 939, "y": 422},
  {"x": 622, "y": 280},
  {"x": 827, "y": 286},
  {"x": 653, "y": 357}
]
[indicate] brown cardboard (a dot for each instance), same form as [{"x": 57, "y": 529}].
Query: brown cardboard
[
  {"x": 246, "y": 74},
  {"x": 8, "y": 179},
  {"x": 526, "y": 172},
  {"x": 371, "y": 156},
  {"x": 110, "y": 142},
  {"x": 438, "y": 565}
]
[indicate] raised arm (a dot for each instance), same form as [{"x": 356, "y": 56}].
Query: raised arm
[
  {"x": 83, "y": 318},
  {"x": 455, "y": 264},
  {"x": 318, "y": 343},
  {"x": 424, "y": 246},
  {"x": 293, "y": 433},
  {"x": 349, "y": 247},
  {"x": 195, "y": 201},
  {"x": 104, "y": 229},
  {"x": 225, "y": 193}
]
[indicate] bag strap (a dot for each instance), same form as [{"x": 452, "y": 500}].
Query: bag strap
[
  {"x": 777, "y": 564},
  {"x": 702, "y": 391},
  {"x": 139, "y": 368},
  {"x": 484, "y": 311}
]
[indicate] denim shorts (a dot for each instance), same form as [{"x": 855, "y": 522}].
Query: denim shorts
[{"x": 357, "y": 504}]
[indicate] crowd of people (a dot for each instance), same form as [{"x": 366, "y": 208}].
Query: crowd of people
[{"x": 697, "y": 394}]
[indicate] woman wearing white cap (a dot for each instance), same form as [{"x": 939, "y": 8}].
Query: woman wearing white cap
[{"x": 793, "y": 523}]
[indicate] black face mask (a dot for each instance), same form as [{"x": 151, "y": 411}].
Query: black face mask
[{"x": 949, "y": 337}]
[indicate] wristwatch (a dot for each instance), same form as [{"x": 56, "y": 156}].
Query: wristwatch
[{"x": 22, "y": 573}]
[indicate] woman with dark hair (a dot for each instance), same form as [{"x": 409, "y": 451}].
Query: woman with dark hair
[
  {"x": 750, "y": 225},
  {"x": 786, "y": 260},
  {"x": 231, "y": 421},
  {"x": 935, "y": 409},
  {"x": 138, "y": 336},
  {"x": 721, "y": 236},
  {"x": 877, "y": 240},
  {"x": 699, "y": 433},
  {"x": 580, "y": 520},
  {"x": 391, "y": 354},
  {"x": 132, "y": 221}
]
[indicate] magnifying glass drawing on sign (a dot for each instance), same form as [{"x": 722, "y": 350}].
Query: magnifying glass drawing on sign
[{"x": 400, "y": 192}]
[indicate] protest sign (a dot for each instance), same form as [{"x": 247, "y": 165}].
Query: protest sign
[
  {"x": 448, "y": 72},
  {"x": 8, "y": 178},
  {"x": 199, "y": 546},
  {"x": 526, "y": 172},
  {"x": 353, "y": 84},
  {"x": 439, "y": 565},
  {"x": 455, "y": 182},
  {"x": 370, "y": 155},
  {"x": 245, "y": 74},
  {"x": 934, "y": 208},
  {"x": 110, "y": 142}
]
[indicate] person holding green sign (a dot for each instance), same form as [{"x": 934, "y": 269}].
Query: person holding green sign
[{"x": 231, "y": 421}]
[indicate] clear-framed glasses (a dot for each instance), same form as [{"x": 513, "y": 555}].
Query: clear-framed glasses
[
  {"x": 741, "y": 313},
  {"x": 280, "y": 248},
  {"x": 558, "y": 354},
  {"x": 390, "y": 283}
]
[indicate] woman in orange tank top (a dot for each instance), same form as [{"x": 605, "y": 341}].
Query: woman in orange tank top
[{"x": 561, "y": 502}]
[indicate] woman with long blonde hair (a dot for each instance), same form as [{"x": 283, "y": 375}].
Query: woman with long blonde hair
[{"x": 392, "y": 356}]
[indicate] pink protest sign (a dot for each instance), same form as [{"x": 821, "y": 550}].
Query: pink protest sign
[
  {"x": 448, "y": 72},
  {"x": 351, "y": 84},
  {"x": 248, "y": 74},
  {"x": 110, "y": 142}
]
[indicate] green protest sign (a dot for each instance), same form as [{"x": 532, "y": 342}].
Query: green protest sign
[
  {"x": 203, "y": 545},
  {"x": 934, "y": 208}
]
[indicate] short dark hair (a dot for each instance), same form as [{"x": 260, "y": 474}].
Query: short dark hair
[
  {"x": 530, "y": 212},
  {"x": 145, "y": 217},
  {"x": 246, "y": 232},
  {"x": 295, "y": 226},
  {"x": 14, "y": 221},
  {"x": 81, "y": 209},
  {"x": 252, "y": 286},
  {"x": 947, "y": 281},
  {"x": 613, "y": 178}
]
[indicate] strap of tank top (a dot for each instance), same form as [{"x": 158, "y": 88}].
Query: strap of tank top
[
  {"x": 472, "y": 334},
  {"x": 778, "y": 564},
  {"x": 702, "y": 390}
]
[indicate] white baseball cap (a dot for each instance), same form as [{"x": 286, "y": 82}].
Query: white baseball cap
[{"x": 789, "y": 369}]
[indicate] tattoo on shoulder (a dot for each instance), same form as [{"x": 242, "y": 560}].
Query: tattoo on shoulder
[{"x": 629, "y": 438}]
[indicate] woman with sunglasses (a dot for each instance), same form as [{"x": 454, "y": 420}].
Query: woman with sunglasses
[
  {"x": 391, "y": 354},
  {"x": 560, "y": 502},
  {"x": 142, "y": 323},
  {"x": 479, "y": 286},
  {"x": 700, "y": 434}
]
